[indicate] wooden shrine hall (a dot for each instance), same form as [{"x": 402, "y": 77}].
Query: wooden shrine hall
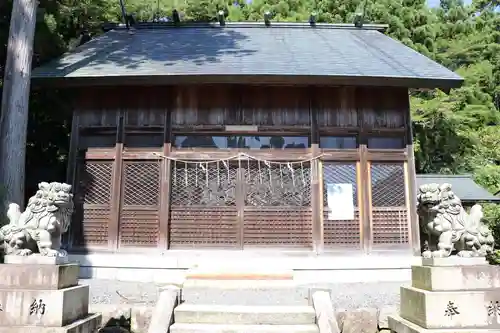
[{"x": 243, "y": 136}]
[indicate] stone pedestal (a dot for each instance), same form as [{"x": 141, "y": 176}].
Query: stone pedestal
[
  {"x": 44, "y": 297},
  {"x": 450, "y": 295}
]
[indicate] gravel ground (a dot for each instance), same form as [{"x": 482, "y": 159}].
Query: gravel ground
[{"x": 344, "y": 295}]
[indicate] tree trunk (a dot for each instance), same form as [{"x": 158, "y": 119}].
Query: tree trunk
[{"x": 15, "y": 98}]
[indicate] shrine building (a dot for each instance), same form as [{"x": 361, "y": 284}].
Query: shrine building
[{"x": 278, "y": 137}]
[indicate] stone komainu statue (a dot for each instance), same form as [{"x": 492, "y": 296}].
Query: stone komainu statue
[
  {"x": 39, "y": 228},
  {"x": 446, "y": 227}
]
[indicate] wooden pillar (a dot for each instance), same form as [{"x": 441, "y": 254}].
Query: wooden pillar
[
  {"x": 73, "y": 151},
  {"x": 166, "y": 170},
  {"x": 316, "y": 179},
  {"x": 364, "y": 180},
  {"x": 114, "y": 221},
  {"x": 71, "y": 172},
  {"x": 411, "y": 184},
  {"x": 317, "y": 214}
]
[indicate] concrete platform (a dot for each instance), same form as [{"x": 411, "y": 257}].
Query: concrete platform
[
  {"x": 50, "y": 308},
  {"x": 207, "y": 328},
  {"x": 400, "y": 325},
  {"x": 451, "y": 309},
  {"x": 38, "y": 277},
  {"x": 35, "y": 259},
  {"x": 171, "y": 266},
  {"x": 449, "y": 278},
  {"x": 244, "y": 315},
  {"x": 89, "y": 324}
]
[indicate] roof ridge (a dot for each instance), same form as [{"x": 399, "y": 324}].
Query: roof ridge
[
  {"x": 437, "y": 175},
  {"x": 257, "y": 24}
]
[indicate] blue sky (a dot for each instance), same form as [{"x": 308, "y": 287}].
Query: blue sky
[{"x": 435, "y": 3}]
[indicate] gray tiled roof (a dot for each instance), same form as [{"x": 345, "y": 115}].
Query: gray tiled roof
[
  {"x": 246, "y": 49},
  {"x": 462, "y": 185}
]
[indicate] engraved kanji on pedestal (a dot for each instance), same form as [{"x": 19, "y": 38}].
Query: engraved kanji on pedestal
[
  {"x": 43, "y": 297},
  {"x": 445, "y": 297}
]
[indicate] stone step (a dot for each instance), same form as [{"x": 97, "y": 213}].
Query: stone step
[
  {"x": 210, "y": 328},
  {"x": 237, "y": 292},
  {"x": 244, "y": 315},
  {"x": 238, "y": 272}
]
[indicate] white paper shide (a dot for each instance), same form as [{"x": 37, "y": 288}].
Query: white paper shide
[{"x": 340, "y": 201}]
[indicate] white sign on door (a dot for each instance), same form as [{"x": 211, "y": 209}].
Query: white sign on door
[{"x": 340, "y": 201}]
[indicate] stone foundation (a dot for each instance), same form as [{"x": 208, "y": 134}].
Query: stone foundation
[
  {"x": 450, "y": 295},
  {"x": 44, "y": 298}
]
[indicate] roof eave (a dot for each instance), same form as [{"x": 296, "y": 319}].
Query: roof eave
[
  {"x": 431, "y": 83},
  {"x": 490, "y": 200}
]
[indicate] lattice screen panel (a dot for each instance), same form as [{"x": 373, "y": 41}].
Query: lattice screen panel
[
  {"x": 202, "y": 226},
  {"x": 390, "y": 225},
  {"x": 389, "y": 212},
  {"x": 139, "y": 216},
  {"x": 203, "y": 205},
  {"x": 277, "y": 205},
  {"x": 287, "y": 227},
  {"x": 340, "y": 233},
  {"x": 93, "y": 203}
]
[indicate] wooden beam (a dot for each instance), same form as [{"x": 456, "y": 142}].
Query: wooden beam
[
  {"x": 116, "y": 188},
  {"x": 316, "y": 177},
  {"x": 71, "y": 171},
  {"x": 313, "y": 115},
  {"x": 411, "y": 183},
  {"x": 166, "y": 171},
  {"x": 73, "y": 151},
  {"x": 316, "y": 195},
  {"x": 361, "y": 208},
  {"x": 338, "y": 155},
  {"x": 321, "y": 190},
  {"x": 411, "y": 199},
  {"x": 365, "y": 203},
  {"x": 389, "y": 155},
  {"x": 202, "y": 154}
]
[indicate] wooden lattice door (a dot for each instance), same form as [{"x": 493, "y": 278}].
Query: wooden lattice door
[
  {"x": 140, "y": 204},
  {"x": 341, "y": 233},
  {"x": 93, "y": 203},
  {"x": 277, "y": 205},
  {"x": 389, "y": 211},
  {"x": 203, "y": 211}
]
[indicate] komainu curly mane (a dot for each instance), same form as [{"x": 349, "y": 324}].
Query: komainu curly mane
[
  {"x": 446, "y": 227},
  {"x": 52, "y": 199},
  {"x": 39, "y": 228}
]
